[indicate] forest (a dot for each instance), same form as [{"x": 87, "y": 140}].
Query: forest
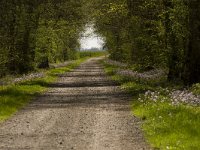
[
  {"x": 153, "y": 33},
  {"x": 148, "y": 34},
  {"x": 35, "y": 33},
  {"x": 151, "y": 50}
]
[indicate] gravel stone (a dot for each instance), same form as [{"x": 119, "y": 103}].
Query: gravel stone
[{"x": 84, "y": 110}]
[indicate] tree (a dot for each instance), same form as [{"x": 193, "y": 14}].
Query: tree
[
  {"x": 192, "y": 62},
  {"x": 36, "y": 33}
]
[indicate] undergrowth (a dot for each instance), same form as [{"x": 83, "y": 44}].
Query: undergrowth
[
  {"x": 196, "y": 89},
  {"x": 166, "y": 126}
]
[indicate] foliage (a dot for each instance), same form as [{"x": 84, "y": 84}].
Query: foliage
[
  {"x": 147, "y": 33},
  {"x": 196, "y": 88},
  {"x": 36, "y": 33},
  {"x": 152, "y": 34}
]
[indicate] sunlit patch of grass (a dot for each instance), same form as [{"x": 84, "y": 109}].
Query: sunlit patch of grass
[
  {"x": 166, "y": 126},
  {"x": 169, "y": 127},
  {"x": 69, "y": 67},
  {"x": 14, "y": 97},
  {"x": 110, "y": 70},
  {"x": 58, "y": 71},
  {"x": 196, "y": 89},
  {"x": 135, "y": 88}
]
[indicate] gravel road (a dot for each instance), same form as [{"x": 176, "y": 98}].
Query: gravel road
[{"x": 83, "y": 110}]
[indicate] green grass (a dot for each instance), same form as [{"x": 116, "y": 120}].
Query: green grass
[
  {"x": 110, "y": 69},
  {"x": 169, "y": 127},
  {"x": 196, "y": 89},
  {"x": 136, "y": 88},
  {"x": 83, "y": 54},
  {"x": 165, "y": 126},
  {"x": 14, "y": 97}
]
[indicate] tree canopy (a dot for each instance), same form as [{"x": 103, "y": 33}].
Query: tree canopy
[
  {"x": 145, "y": 33},
  {"x": 153, "y": 33}
]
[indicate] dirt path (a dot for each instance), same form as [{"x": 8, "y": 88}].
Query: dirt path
[{"x": 84, "y": 110}]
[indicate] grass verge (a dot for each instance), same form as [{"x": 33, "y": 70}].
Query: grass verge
[
  {"x": 14, "y": 97},
  {"x": 166, "y": 126}
]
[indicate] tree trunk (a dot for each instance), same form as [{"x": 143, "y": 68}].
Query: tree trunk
[
  {"x": 192, "y": 64},
  {"x": 12, "y": 52},
  {"x": 171, "y": 44}
]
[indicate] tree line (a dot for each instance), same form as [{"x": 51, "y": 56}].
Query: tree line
[
  {"x": 34, "y": 33},
  {"x": 144, "y": 33},
  {"x": 153, "y": 33}
]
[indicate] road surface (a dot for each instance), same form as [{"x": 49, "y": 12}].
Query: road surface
[{"x": 83, "y": 110}]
